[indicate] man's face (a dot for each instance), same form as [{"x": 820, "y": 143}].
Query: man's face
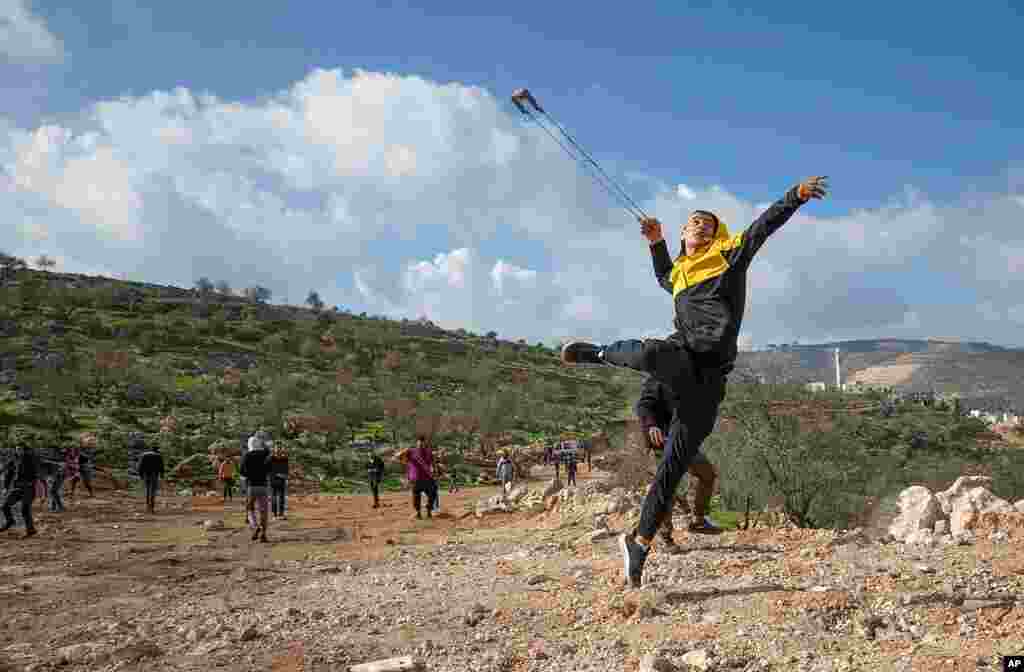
[{"x": 699, "y": 229}]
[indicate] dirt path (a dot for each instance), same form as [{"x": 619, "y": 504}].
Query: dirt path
[{"x": 105, "y": 560}]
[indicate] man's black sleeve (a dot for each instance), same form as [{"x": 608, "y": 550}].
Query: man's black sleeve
[
  {"x": 160, "y": 465},
  {"x": 647, "y": 404},
  {"x": 751, "y": 240},
  {"x": 662, "y": 261}
]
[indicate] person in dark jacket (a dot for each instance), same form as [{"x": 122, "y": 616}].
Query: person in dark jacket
[
  {"x": 453, "y": 478},
  {"x": 570, "y": 468},
  {"x": 708, "y": 285},
  {"x": 151, "y": 470},
  {"x": 10, "y": 471},
  {"x": 55, "y": 486},
  {"x": 22, "y": 490},
  {"x": 256, "y": 470},
  {"x": 375, "y": 474},
  {"x": 654, "y": 410},
  {"x": 278, "y": 480}
]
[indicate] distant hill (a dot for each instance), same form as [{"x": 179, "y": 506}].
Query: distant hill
[{"x": 981, "y": 373}]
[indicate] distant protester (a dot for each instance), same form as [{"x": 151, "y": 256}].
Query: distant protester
[
  {"x": 505, "y": 472},
  {"x": 453, "y": 478},
  {"x": 375, "y": 474},
  {"x": 55, "y": 487},
  {"x": 278, "y": 480},
  {"x": 570, "y": 468},
  {"x": 22, "y": 489},
  {"x": 151, "y": 470},
  {"x": 256, "y": 470},
  {"x": 226, "y": 475},
  {"x": 74, "y": 461},
  {"x": 419, "y": 472}
]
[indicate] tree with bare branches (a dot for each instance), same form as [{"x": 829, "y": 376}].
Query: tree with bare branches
[{"x": 10, "y": 266}]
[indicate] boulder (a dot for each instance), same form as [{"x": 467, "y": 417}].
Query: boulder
[
  {"x": 968, "y": 506},
  {"x": 553, "y": 488},
  {"x": 1019, "y": 506},
  {"x": 697, "y": 659},
  {"x": 75, "y": 654},
  {"x": 517, "y": 494},
  {"x": 919, "y": 510},
  {"x": 617, "y": 504},
  {"x": 535, "y": 506},
  {"x": 653, "y": 662},
  {"x": 920, "y": 538},
  {"x": 959, "y": 487}
]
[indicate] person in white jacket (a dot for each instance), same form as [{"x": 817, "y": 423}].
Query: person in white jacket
[{"x": 505, "y": 473}]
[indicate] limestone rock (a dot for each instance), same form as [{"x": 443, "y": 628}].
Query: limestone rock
[
  {"x": 967, "y": 506},
  {"x": 553, "y": 488},
  {"x": 960, "y": 486},
  {"x": 652, "y": 662},
  {"x": 697, "y": 659},
  {"x": 517, "y": 494},
  {"x": 75, "y": 654},
  {"x": 920, "y": 538},
  {"x": 919, "y": 510}
]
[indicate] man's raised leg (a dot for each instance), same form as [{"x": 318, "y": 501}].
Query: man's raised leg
[{"x": 666, "y": 360}]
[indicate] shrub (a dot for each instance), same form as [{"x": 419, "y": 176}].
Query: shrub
[
  {"x": 147, "y": 343},
  {"x": 279, "y": 342},
  {"x": 218, "y": 327},
  {"x": 248, "y": 334},
  {"x": 94, "y": 327}
]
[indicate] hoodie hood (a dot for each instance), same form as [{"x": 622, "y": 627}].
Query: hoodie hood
[{"x": 720, "y": 238}]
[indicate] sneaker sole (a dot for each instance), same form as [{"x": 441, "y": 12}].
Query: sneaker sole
[{"x": 624, "y": 548}]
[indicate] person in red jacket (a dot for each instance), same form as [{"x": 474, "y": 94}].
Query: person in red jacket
[
  {"x": 226, "y": 475},
  {"x": 708, "y": 284},
  {"x": 420, "y": 473}
]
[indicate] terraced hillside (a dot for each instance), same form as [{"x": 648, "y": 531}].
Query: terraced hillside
[{"x": 190, "y": 369}]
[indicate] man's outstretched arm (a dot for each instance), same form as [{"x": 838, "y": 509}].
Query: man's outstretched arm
[
  {"x": 651, "y": 230},
  {"x": 746, "y": 244}
]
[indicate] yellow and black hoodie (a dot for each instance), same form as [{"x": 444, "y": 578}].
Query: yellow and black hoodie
[{"x": 709, "y": 288}]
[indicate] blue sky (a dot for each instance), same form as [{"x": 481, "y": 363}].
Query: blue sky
[{"x": 912, "y": 109}]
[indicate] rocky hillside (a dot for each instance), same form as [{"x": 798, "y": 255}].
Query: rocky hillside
[{"x": 975, "y": 371}]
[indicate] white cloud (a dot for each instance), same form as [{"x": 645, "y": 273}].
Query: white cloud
[
  {"x": 685, "y": 192},
  {"x": 382, "y": 191},
  {"x": 24, "y": 37},
  {"x": 512, "y": 278}
]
